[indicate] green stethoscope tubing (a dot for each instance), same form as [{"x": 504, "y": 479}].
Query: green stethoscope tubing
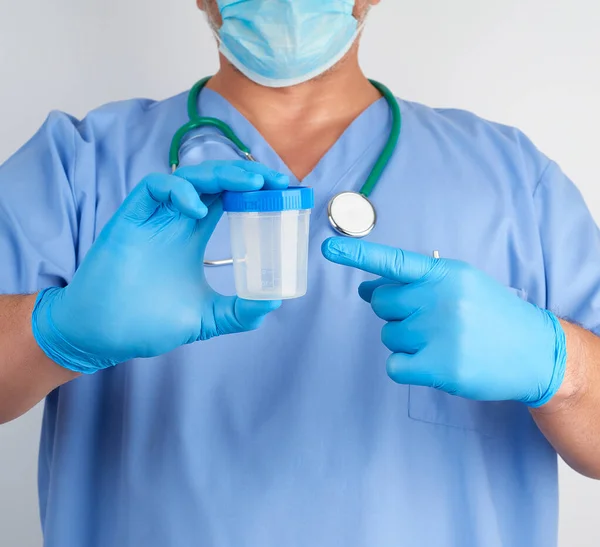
[{"x": 197, "y": 121}]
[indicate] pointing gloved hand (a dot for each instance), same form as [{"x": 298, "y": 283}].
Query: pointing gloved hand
[
  {"x": 141, "y": 289},
  {"x": 451, "y": 327}
]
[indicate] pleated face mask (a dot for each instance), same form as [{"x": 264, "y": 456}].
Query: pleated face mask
[{"x": 281, "y": 43}]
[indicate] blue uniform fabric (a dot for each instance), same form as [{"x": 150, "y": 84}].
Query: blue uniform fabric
[{"x": 294, "y": 435}]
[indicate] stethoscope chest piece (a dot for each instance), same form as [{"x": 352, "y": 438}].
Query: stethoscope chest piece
[{"x": 352, "y": 214}]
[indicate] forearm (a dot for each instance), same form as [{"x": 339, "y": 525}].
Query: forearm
[
  {"x": 26, "y": 374},
  {"x": 571, "y": 419}
]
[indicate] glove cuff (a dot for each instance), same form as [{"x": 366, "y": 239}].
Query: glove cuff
[
  {"x": 560, "y": 361},
  {"x": 52, "y": 342}
]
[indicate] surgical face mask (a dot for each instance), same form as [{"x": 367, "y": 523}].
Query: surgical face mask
[{"x": 281, "y": 43}]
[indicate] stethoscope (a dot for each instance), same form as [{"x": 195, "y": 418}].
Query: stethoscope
[{"x": 350, "y": 213}]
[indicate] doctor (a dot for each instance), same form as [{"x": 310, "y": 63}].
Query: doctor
[{"x": 161, "y": 429}]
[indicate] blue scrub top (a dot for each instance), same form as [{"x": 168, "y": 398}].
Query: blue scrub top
[{"x": 293, "y": 435}]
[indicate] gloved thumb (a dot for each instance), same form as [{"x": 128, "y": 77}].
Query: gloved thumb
[{"x": 234, "y": 315}]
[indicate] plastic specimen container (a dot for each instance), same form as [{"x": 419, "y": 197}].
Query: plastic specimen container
[{"x": 270, "y": 241}]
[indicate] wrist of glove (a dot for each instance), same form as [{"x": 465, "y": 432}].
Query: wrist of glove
[
  {"x": 55, "y": 345},
  {"x": 558, "y": 365}
]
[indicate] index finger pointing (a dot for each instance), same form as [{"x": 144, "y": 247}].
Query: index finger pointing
[{"x": 389, "y": 262}]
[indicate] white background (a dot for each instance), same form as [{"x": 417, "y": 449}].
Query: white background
[{"x": 530, "y": 63}]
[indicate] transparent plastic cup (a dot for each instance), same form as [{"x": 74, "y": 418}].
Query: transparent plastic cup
[{"x": 269, "y": 242}]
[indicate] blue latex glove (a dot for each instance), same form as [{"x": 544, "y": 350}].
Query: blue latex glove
[
  {"x": 453, "y": 328},
  {"x": 141, "y": 289}
]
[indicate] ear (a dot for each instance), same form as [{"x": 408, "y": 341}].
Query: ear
[{"x": 200, "y": 4}]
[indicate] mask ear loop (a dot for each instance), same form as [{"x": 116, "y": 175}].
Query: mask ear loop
[{"x": 363, "y": 20}]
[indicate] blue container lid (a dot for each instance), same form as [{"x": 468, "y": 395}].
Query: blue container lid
[{"x": 269, "y": 201}]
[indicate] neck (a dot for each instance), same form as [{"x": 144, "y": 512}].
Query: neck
[
  {"x": 338, "y": 94},
  {"x": 308, "y": 118}
]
